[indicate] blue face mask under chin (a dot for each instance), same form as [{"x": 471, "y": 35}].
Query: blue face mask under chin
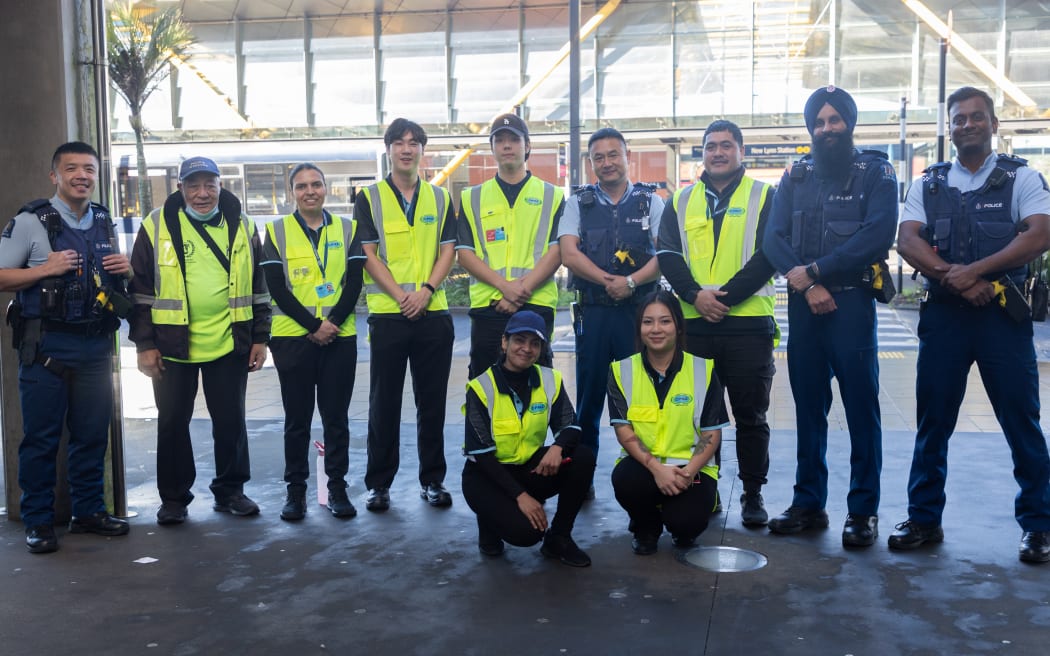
[{"x": 197, "y": 216}]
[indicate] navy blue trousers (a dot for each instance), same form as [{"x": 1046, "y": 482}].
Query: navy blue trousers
[
  {"x": 951, "y": 338},
  {"x": 607, "y": 336},
  {"x": 841, "y": 344}
]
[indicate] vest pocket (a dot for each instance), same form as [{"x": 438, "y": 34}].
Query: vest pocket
[
  {"x": 992, "y": 237},
  {"x": 838, "y": 233},
  {"x": 701, "y": 238},
  {"x": 942, "y": 235}
]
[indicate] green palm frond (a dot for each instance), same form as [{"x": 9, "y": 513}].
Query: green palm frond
[{"x": 140, "y": 46}]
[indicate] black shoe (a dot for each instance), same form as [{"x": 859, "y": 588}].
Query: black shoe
[
  {"x": 101, "y": 523},
  {"x": 238, "y": 504},
  {"x": 339, "y": 504},
  {"x": 171, "y": 513},
  {"x": 378, "y": 499},
  {"x": 797, "y": 519},
  {"x": 683, "y": 542},
  {"x": 436, "y": 495},
  {"x": 753, "y": 509},
  {"x": 295, "y": 505},
  {"x": 564, "y": 549},
  {"x": 41, "y": 539},
  {"x": 860, "y": 530},
  {"x": 644, "y": 545},
  {"x": 912, "y": 535},
  {"x": 1035, "y": 547}
]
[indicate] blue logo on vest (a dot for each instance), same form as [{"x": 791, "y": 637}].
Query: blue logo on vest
[
  {"x": 428, "y": 219},
  {"x": 533, "y": 201},
  {"x": 538, "y": 408},
  {"x": 735, "y": 211},
  {"x": 334, "y": 244},
  {"x": 681, "y": 399}
]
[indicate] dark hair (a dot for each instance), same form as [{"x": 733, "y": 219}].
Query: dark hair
[
  {"x": 965, "y": 93},
  {"x": 722, "y": 125},
  {"x": 78, "y": 147},
  {"x": 305, "y": 166},
  {"x": 606, "y": 133},
  {"x": 399, "y": 127},
  {"x": 664, "y": 297}
]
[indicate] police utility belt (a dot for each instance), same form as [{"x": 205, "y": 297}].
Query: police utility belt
[{"x": 875, "y": 278}]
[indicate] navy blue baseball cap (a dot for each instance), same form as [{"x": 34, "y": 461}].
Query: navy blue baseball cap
[
  {"x": 197, "y": 165},
  {"x": 527, "y": 321}
]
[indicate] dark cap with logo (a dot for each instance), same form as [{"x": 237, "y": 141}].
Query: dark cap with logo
[
  {"x": 527, "y": 321},
  {"x": 510, "y": 122},
  {"x": 197, "y": 165}
]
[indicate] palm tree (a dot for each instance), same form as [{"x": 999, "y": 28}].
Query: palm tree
[{"x": 141, "y": 43}]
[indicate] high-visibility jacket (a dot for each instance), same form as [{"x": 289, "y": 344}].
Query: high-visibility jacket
[
  {"x": 302, "y": 270},
  {"x": 517, "y": 438},
  {"x": 713, "y": 267},
  {"x": 670, "y": 433},
  {"x": 408, "y": 251},
  {"x": 511, "y": 240}
]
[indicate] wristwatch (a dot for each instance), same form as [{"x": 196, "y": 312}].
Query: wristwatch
[{"x": 630, "y": 283}]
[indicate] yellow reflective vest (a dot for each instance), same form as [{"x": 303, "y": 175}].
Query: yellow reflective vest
[
  {"x": 302, "y": 270},
  {"x": 408, "y": 251},
  {"x": 712, "y": 267},
  {"x": 518, "y": 438},
  {"x": 670, "y": 433},
  {"x": 511, "y": 240}
]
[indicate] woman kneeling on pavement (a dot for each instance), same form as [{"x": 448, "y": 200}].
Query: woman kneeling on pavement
[
  {"x": 667, "y": 409},
  {"x": 509, "y": 472}
]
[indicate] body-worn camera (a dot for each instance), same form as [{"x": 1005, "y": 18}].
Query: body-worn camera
[{"x": 53, "y": 298}]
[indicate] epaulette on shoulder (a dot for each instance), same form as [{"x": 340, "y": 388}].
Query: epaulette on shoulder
[
  {"x": 1012, "y": 161},
  {"x": 647, "y": 186},
  {"x": 875, "y": 153},
  {"x": 34, "y": 206}
]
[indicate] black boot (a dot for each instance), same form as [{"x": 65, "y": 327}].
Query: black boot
[{"x": 295, "y": 506}]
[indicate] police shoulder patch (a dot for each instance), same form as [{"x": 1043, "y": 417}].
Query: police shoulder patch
[
  {"x": 887, "y": 171},
  {"x": 9, "y": 229}
]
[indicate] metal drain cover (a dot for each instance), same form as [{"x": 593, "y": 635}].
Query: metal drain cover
[{"x": 723, "y": 559}]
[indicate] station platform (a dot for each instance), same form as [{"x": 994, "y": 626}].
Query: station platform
[{"x": 411, "y": 581}]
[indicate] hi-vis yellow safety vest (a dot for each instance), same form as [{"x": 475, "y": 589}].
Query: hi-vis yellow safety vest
[
  {"x": 302, "y": 270},
  {"x": 168, "y": 304},
  {"x": 518, "y": 438},
  {"x": 511, "y": 240},
  {"x": 409, "y": 251},
  {"x": 736, "y": 242},
  {"x": 670, "y": 433}
]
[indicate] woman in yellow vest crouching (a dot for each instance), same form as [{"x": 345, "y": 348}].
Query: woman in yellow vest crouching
[
  {"x": 667, "y": 409},
  {"x": 509, "y": 472}
]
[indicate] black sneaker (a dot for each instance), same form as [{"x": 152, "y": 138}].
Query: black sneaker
[
  {"x": 171, "y": 513},
  {"x": 753, "y": 509},
  {"x": 797, "y": 519},
  {"x": 237, "y": 504},
  {"x": 339, "y": 504},
  {"x": 294, "y": 506},
  {"x": 564, "y": 549},
  {"x": 378, "y": 500},
  {"x": 436, "y": 495},
  {"x": 644, "y": 545}
]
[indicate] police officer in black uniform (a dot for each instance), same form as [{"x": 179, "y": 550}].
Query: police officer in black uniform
[
  {"x": 607, "y": 240},
  {"x": 833, "y": 217},
  {"x": 60, "y": 256}
]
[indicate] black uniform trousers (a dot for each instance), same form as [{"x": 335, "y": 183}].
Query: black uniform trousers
[
  {"x": 225, "y": 382},
  {"x": 424, "y": 345},
  {"x": 744, "y": 365},
  {"x": 498, "y": 514},
  {"x": 486, "y": 337},
  {"x": 309, "y": 372},
  {"x": 685, "y": 515}
]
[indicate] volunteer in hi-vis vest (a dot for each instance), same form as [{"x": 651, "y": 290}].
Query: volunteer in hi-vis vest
[
  {"x": 710, "y": 252},
  {"x": 509, "y": 472},
  {"x": 313, "y": 261},
  {"x": 408, "y": 232},
  {"x": 507, "y": 242},
  {"x": 60, "y": 258},
  {"x": 667, "y": 410},
  {"x": 201, "y": 312},
  {"x": 971, "y": 227}
]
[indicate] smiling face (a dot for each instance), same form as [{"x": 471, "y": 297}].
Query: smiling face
[
  {"x": 405, "y": 153},
  {"x": 723, "y": 156},
  {"x": 309, "y": 190},
  {"x": 609, "y": 159},
  {"x": 658, "y": 331},
  {"x": 829, "y": 126},
  {"x": 972, "y": 125},
  {"x": 522, "y": 349},
  {"x": 74, "y": 176}
]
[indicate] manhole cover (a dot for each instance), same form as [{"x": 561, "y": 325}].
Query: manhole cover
[{"x": 723, "y": 559}]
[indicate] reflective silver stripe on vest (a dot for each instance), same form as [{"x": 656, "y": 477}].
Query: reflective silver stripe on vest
[
  {"x": 683, "y": 203},
  {"x": 280, "y": 238},
  {"x": 373, "y": 288},
  {"x": 377, "y": 219},
  {"x": 158, "y": 217},
  {"x": 542, "y": 232},
  {"x": 699, "y": 393},
  {"x": 754, "y": 208},
  {"x": 547, "y": 380},
  {"x": 143, "y": 299},
  {"x": 242, "y": 301},
  {"x": 479, "y": 230},
  {"x": 627, "y": 378},
  {"x": 485, "y": 380},
  {"x": 167, "y": 304}
]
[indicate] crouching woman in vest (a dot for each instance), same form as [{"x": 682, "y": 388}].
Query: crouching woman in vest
[
  {"x": 667, "y": 409},
  {"x": 509, "y": 472}
]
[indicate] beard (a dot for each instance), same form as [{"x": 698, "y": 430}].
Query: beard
[{"x": 833, "y": 155}]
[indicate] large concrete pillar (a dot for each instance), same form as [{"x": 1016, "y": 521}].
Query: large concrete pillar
[{"x": 41, "y": 59}]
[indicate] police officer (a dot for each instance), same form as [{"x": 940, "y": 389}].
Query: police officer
[
  {"x": 60, "y": 256},
  {"x": 971, "y": 226},
  {"x": 312, "y": 261},
  {"x": 507, "y": 242},
  {"x": 408, "y": 232},
  {"x": 201, "y": 311},
  {"x": 606, "y": 236},
  {"x": 710, "y": 252},
  {"x": 833, "y": 216}
]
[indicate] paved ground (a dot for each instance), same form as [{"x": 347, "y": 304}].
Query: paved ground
[{"x": 412, "y": 582}]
